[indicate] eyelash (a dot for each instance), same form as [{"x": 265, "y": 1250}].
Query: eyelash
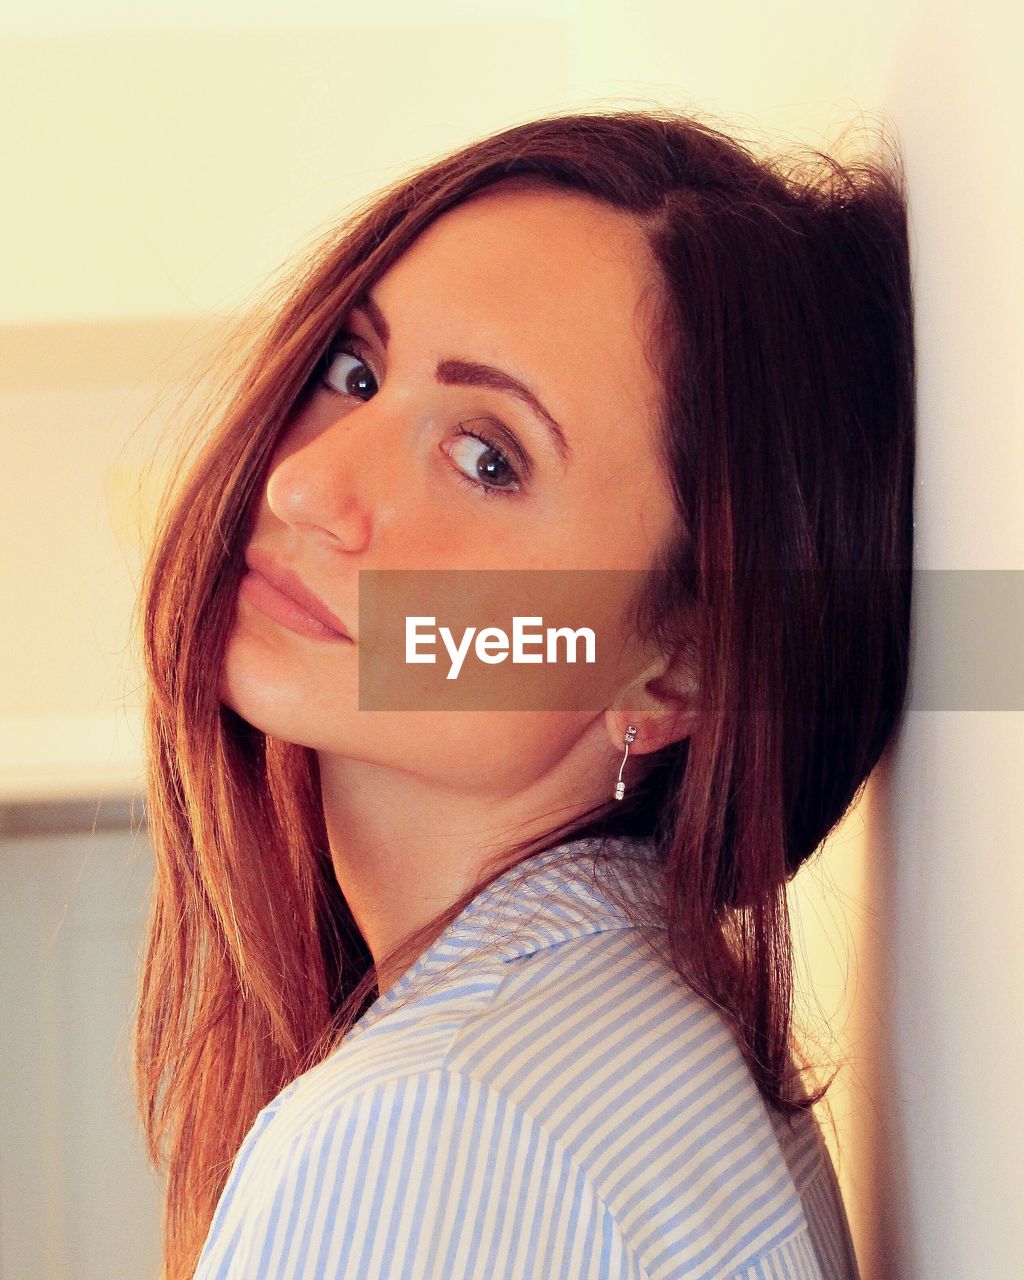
[{"x": 344, "y": 344}]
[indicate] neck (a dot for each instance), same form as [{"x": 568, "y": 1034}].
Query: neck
[{"x": 405, "y": 847}]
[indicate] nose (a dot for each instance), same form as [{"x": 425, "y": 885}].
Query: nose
[{"x": 322, "y": 476}]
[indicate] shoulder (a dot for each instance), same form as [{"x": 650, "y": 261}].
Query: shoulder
[
  {"x": 586, "y": 1114},
  {"x": 427, "y": 1174}
]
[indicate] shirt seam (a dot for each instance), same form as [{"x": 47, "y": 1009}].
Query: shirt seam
[{"x": 559, "y": 1145}]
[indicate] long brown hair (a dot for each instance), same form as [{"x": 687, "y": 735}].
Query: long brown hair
[{"x": 788, "y": 434}]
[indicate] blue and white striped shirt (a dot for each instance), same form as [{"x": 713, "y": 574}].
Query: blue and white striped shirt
[{"x": 559, "y": 1106}]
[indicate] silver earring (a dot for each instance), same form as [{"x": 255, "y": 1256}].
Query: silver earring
[{"x": 620, "y": 786}]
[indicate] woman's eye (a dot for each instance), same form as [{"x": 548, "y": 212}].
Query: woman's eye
[
  {"x": 346, "y": 372},
  {"x": 477, "y": 461},
  {"x": 483, "y": 465}
]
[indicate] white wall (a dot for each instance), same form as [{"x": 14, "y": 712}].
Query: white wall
[{"x": 957, "y": 874}]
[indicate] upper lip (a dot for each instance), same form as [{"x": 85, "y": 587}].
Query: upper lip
[{"x": 288, "y": 582}]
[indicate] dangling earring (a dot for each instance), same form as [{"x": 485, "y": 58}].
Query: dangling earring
[{"x": 620, "y": 786}]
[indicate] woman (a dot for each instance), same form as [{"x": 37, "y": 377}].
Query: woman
[{"x": 423, "y": 996}]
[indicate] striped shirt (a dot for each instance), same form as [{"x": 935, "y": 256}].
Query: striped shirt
[{"x": 538, "y": 1097}]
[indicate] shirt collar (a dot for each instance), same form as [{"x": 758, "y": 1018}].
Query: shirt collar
[{"x": 554, "y": 896}]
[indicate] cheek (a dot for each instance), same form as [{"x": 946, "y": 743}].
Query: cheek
[
  {"x": 283, "y": 683},
  {"x": 624, "y": 533}
]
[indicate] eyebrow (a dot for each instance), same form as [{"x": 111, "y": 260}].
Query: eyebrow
[{"x": 470, "y": 373}]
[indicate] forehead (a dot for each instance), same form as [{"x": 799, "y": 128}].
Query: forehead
[{"x": 554, "y": 285}]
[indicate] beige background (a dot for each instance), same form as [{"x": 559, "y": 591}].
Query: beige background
[{"x": 159, "y": 168}]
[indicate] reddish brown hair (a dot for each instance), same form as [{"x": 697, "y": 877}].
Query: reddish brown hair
[{"x": 788, "y": 432}]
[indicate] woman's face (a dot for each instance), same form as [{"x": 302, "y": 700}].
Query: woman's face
[{"x": 556, "y": 291}]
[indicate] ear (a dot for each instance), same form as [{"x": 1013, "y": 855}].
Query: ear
[{"x": 662, "y": 701}]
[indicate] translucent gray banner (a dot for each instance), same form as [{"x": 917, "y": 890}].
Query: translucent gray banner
[
  {"x": 563, "y": 640},
  {"x": 967, "y": 640}
]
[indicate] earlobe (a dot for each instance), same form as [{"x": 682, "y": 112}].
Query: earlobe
[
  {"x": 654, "y": 732},
  {"x": 663, "y": 703}
]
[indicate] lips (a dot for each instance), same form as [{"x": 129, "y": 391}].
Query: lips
[{"x": 290, "y": 584}]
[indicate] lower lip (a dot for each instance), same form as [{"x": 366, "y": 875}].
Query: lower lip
[{"x": 274, "y": 604}]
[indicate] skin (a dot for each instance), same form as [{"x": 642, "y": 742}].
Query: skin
[{"x": 560, "y": 290}]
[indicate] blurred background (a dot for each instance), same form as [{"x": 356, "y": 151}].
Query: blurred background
[{"x": 160, "y": 165}]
